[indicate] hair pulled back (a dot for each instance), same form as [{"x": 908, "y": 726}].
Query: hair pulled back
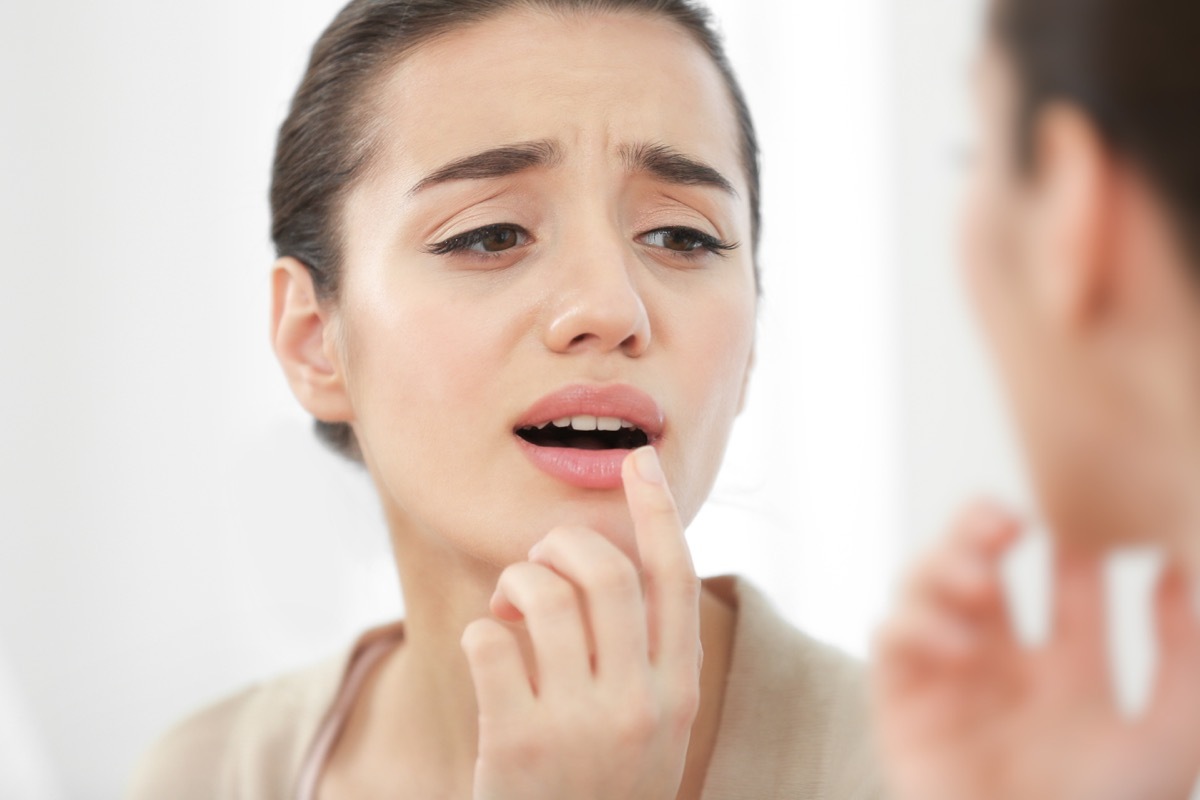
[
  {"x": 326, "y": 139},
  {"x": 1133, "y": 68}
]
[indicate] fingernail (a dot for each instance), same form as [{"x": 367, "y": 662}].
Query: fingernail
[{"x": 645, "y": 460}]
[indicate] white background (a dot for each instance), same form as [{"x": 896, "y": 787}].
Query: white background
[{"x": 170, "y": 530}]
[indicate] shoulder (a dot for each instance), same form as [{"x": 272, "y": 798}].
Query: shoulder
[
  {"x": 250, "y": 745},
  {"x": 786, "y": 659},
  {"x": 795, "y": 708}
]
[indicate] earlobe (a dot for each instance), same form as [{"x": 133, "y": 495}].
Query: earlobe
[
  {"x": 1075, "y": 182},
  {"x": 303, "y": 339}
]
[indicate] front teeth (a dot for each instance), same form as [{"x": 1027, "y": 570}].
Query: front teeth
[{"x": 586, "y": 422}]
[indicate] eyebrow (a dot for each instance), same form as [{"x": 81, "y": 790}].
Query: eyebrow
[
  {"x": 670, "y": 166},
  {"x": 659, "y": 160},
  {"x": 495, "y": 163}
]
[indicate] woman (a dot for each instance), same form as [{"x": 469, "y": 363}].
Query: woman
[
  {"x": 1083, "y": 251},
  {"x": 517, "y": 281}
]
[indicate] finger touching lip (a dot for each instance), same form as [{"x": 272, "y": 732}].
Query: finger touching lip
[{"x": 581, "y": 434}]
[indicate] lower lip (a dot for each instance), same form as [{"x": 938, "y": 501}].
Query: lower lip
[{"x": 585, "y": 469}]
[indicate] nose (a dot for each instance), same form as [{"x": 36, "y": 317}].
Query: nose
[{"x": 598, "y": 306}]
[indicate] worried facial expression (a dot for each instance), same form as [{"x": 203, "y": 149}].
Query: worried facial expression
[{"x": 547, "y": 264}]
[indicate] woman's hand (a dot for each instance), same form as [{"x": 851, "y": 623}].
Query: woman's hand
[
  {"x": 608, "y": 709},
  {"x": 966, "y": 712}
]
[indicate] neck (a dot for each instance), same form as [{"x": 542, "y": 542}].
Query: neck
[
  {"x": 1151, "y": 425},
  {"x": 1179, "y": 503},
  {"x": 1176, "y": 514},
  {"x": 429, "y": 679},
  {"x": 413, "y": 727},
  {"x": 1186, "y": 544},
  {"x": 1183, "y": 525}
]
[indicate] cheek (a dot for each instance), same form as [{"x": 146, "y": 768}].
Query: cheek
[
  {"x": 712, "y": 370},
  {"x": 987, "y": 252},
  {"x": 977, "y": 236},
  {"x": 414, "y": 365},
  {"x": 391, "y": 358},
  {"x": 430, "y": 381}
]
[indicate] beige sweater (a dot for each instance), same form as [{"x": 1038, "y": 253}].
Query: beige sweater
[{"x": 793, "y": 725}]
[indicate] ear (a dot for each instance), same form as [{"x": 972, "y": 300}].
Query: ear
[
  {"x": 303, "y": 337},
  {"x": 1075, "y": 184}
]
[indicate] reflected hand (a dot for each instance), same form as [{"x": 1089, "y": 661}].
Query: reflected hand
[
  {"x": 966, "y": 712},
  {"x": 608, "y": 709}
]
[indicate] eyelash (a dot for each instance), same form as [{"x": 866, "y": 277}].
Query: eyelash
[
  {"x": 465, "y": 241},
  {"x": 703, "y": 241}
]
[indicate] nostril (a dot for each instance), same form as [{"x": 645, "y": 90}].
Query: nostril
[{"x": 599, "y": 325}]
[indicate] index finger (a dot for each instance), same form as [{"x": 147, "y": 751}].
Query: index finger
[{"x": 671, "y": 586}]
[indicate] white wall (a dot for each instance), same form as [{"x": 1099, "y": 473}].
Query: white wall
[
  {"x": 957, "y": 441},
  {"x": 158, "y": 547}
]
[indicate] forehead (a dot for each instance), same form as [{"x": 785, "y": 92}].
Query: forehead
[{"x": 592, "y": 81}]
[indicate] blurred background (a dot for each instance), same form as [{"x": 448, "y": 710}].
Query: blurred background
[{"x": 169, "y": 528}]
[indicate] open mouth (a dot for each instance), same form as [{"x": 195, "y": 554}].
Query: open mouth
[{"x": 585, "y": 432}]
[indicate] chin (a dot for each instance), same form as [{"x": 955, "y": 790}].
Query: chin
[
  {"x": 605, "y": 513},
  {"x": 1092, "y": 506},
  {"x": 610, "y": 520}
]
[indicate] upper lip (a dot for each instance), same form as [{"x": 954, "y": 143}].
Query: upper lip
[{"x": 615, "y": 400}]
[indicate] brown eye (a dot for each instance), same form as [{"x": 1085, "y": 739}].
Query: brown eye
[
  {"x": 679, "y": 240},
  {"x": 499, "y": 239},
  {"x": 490, "y": 239},
  {"x": 686, "y": 241}
]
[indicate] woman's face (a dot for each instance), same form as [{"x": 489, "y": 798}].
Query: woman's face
[
  {"x": 1093, "y": 443},
  {"x": 1003, "y": 224},
  {"x": 541, "y": 237},
  {"x": 999, "y": 254}
]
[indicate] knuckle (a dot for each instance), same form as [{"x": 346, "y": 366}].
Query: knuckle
[
  {"x": 520, "y": 749},
  {"x": 564, "y": 536},
  {"x": 639, "y": 723},
  {"x": 685, "y": 706},
  {"x": 614, "y": 575},
  {"x": 483, "y": 638},
  {"x": 554, "y": 598},
  {"x": 513, "y": 575},
  {"x": 686, "y": 585},
  {"x": 681, "y": 693}
]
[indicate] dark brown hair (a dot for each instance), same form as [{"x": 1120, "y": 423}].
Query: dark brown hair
[
  {"x": 1132, "y": 67},
  {"x": 325, "y": 141}
]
